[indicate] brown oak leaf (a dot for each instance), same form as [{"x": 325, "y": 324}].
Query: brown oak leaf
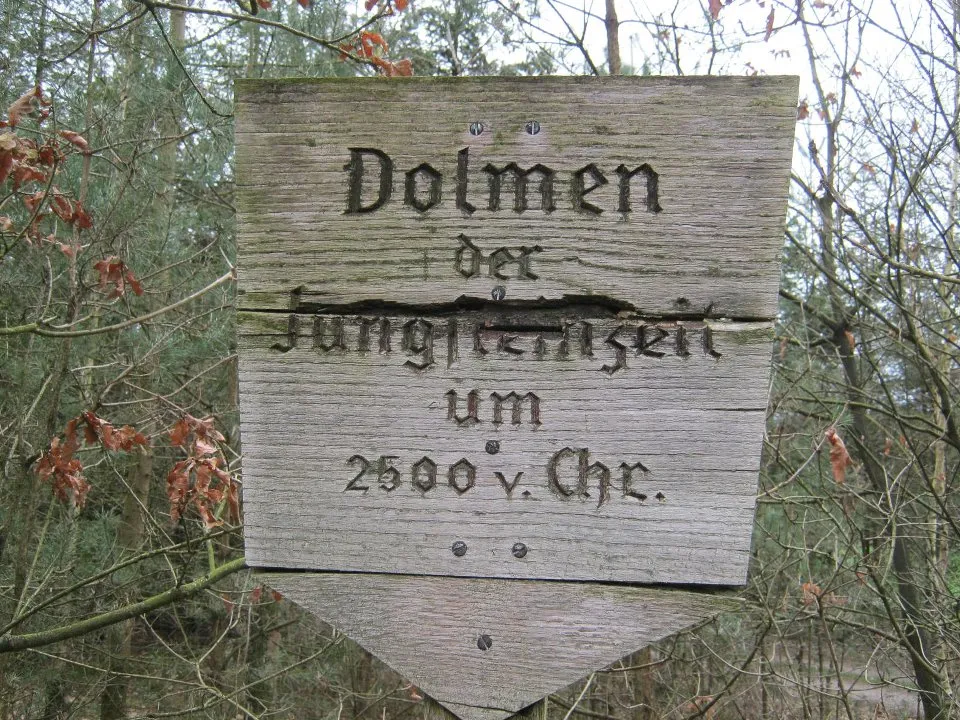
[
  {"x": 76, "y": 139},
  {"x": 24, "y": 105},
  {"x": 840, "y": 459}
]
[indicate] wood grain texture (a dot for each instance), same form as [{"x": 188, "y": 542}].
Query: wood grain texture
[
  {"x": 721, "y": 148},
  {"x": 693, "y": 422},
  {"x": 542, "y": 636},
  {"x": 501, "y": 334}
]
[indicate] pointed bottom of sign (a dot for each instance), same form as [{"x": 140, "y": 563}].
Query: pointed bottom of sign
[{"x": 486, "y": 649}]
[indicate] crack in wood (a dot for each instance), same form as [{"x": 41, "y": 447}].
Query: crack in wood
[
  {"x": 597, "y": 306},
  {"x": 729, "y": 591}
]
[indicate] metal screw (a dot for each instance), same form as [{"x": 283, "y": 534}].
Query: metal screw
[
  {"x": 533, "y": 127},
  {"x": 484, "y": 642},
  {"x": 476, "y": 128},
  {"x": 493, "y": 447},
  {"x": 499, "y": 292},
  {"x": 459, "y": 548},
  {"x": 519, "y": 550}
]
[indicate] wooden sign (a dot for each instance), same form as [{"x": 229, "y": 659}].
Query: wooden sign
[{"x": 495, "y": 332}]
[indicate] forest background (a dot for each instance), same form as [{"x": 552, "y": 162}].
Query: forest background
[{"x": 123, "y": 591}]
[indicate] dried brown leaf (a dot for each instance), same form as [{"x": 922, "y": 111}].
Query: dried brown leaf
[
  {"x": 76, "y": 139},
  {"x": 24, "y": 105},
  {"x": 840, "y": 459}
]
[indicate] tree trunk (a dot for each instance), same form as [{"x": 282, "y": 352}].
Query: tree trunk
[
  {"x": 113, "y": 702},
  {"x": 613, "y": 39},
  {"x": 131, "y": 535}
]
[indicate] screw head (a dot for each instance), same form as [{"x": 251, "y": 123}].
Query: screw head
[
  {"x": 492, "y": 447},
  {"x": 459, "y": 548},
  {"x": 484, "y": 642},
  {"x": 476, "y": 128},
  {"x": 532, "y": 127},
  {"x": 498, "y": 293},
  {"x": 519, "y": 550}
]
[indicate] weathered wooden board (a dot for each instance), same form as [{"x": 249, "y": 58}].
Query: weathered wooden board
[
  {"x": 706, "y": 241},
  {"x": 498, "y": 334},
  {"x": 539, "y": 637},
  {"x": 687, "y": 425}
]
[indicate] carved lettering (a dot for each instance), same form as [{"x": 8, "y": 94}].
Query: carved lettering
[
  {"x": 423, "y": 185},
  {"x": 424, "y": 474},
  {"x": 328, "y": 333},
  {"x": 363, "y": 338},
  {"x": 356, "y": 168},
  {"x": 540, "y": 347},
  {"x": 571, "y": 473},
  {"x": 293, "y": 323},
  {"x": 563, "y": 349},
  {"x": 516, "y": 407},
  {"x": 523, "y": 262},
  {"x": 619, "y": 351},
  {"x": 707, "y": 335},
  {"x": 433, "y": 179},
  {"x": 478, "y": 340},
  {"x": 354, "y": 484},
  {"x": 586, "y": 339},
  {"x": 505, "y": 345},
  {"x": 578, "y": 189},
  {"x": 647, "y": 337},
  {"x": 558, "y": 478},
  {"x": 554, "y": 470},
  {"x": 473, "y": 406},
  {"x": 508, "y": 486},
  {"x": 627, "y": 470},
  {"x": 462, "y": 476},
  {"x": 368, "y": 325},
  {"x": 514, "y": 400},
  {"x": 463, "y": 165},
  {"x": 680, "y": 342},
  {"x": 453, "y": 340},
  {"x": 453, "y": 343},
  {"x": 499, "y": 258},
  {"x": 653, "y": 179},
  {"x": 293, "y": 331},
  {"x": 503, "y": 256},
  {"x": 602, "y": 474},
  {"x": 388, "y": 476},
  {"x": 467, "y": 257},
  {"x": 385, "y": 332},
  {"x": 418, "y": 340},
  {"x": 520, "y": 180}
]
